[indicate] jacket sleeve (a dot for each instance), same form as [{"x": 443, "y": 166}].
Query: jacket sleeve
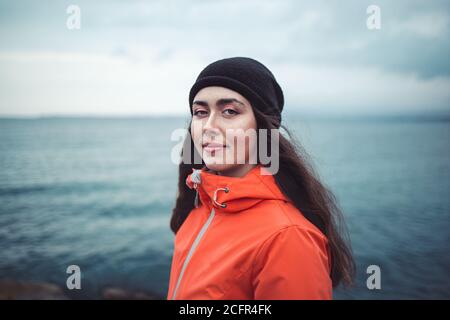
[{"x": 292, "y": 264}]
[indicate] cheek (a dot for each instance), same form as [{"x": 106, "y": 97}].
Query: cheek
[
  {"x": 245, "y": 124},
  {"x": 249, "y": 122},
  {"x": 196, "y": 132},
  {"x": 244, "y": 141}
]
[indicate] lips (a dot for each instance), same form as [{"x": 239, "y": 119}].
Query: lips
[{"x": 213, "y": 146}]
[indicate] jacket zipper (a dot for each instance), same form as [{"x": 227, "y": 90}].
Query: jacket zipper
[{"x": 192, "y": 249}]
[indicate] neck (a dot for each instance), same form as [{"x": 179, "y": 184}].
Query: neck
[{"x": 238, "y": 171}]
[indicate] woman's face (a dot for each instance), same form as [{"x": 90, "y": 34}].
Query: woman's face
[{"x": 220, "y": 129}]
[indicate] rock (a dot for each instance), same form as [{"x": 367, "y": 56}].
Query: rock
[
  {"x": 113, "y": 293},
  {"x": 20, "y": 290},
  {"x": 23, "y": 290}
]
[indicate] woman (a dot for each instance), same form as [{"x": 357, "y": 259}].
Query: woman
[{"x": 250, "y": 229}]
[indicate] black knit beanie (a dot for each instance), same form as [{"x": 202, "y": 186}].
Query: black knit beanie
[{"x": 248, "y": 77}]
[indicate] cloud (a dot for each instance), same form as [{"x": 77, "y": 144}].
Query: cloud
[
  {"x": 142, "y": 57},
  {"x": 53, "y": 82},
  {"x": 428, "y": 25},
  {"x": 360, "y": 90}
]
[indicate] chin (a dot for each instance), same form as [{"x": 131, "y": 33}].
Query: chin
[{"x": 219, "y": 167}]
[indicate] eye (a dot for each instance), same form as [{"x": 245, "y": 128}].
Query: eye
[
  {"x": 231, "y": 111},
  {"x": 199, "y": 112}
]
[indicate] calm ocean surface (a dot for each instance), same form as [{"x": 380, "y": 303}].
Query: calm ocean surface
[{"x": 98, "y": 193}]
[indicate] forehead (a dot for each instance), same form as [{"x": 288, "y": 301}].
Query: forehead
[{"x": 214, "y": 93}]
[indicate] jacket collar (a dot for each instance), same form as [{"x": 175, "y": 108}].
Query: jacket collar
[{"x": 234, "y": 194}]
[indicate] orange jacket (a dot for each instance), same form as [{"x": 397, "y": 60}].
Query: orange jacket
[{"x": 246, "y": 240}]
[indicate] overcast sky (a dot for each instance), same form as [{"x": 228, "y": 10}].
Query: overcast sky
[{"x": 136, "y": 57}]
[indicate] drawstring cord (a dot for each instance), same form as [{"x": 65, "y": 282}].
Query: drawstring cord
[{"x": 195, "y": 178}]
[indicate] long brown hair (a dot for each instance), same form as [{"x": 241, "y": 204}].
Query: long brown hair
[{"x": 298, "y": 180}]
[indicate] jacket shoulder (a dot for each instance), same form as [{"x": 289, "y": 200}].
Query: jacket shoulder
[{"x": 278, "y": 215}]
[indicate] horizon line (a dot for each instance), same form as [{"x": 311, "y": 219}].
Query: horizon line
[{"x": 437, "y": 114}]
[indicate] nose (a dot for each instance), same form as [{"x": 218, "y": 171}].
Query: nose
[{"x": 211, "y": 126}]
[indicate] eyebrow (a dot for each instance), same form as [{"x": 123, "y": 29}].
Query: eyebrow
[{"x": 220, "y": 102}]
